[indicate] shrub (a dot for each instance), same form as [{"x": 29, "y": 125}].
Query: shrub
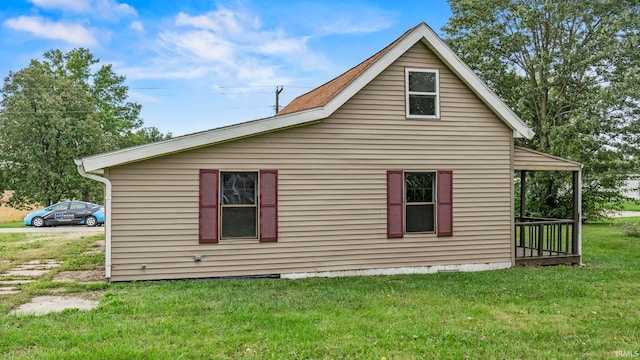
[{"x": 630, "y": 229}]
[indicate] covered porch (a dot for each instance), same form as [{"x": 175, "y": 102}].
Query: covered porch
[{"x": 547, "y": 241}]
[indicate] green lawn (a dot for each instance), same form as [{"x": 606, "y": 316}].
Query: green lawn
[
  {"x": 12, "y": 224},
  {"x": 522, "y": 313},
  {"x": 631, "y": 205}
]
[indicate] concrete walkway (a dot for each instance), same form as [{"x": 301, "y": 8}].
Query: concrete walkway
[
  {"x": 627, "y": 214},
  {"x": 57, "y": 229}
]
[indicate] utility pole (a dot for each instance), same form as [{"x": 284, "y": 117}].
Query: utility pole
[{"x": 278, "y": 91}]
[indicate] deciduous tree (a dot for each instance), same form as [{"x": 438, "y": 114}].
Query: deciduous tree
[
  {"x": 571, "y": 70},
  {"x": 54, "y": 111}
]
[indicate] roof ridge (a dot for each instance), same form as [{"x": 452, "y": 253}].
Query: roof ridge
[{"x": 321, "y": 95}]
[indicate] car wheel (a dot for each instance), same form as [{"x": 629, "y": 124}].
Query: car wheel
[
  {"x": 37, "y": 221},
  {"x": 91, "y": 221}
]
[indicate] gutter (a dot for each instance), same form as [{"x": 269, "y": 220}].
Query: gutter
[{"x": 107, "y": 220}]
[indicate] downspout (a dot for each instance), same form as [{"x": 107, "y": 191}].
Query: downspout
[{"x": 107, "y": 220}]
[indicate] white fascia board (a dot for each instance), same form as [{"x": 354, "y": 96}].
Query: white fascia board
[
  {"x": 444, "y": 52},
  {"x": 474, "y": 82},
  {"x": 372, "y": 72},
  {"x": 200, "y": 139}
]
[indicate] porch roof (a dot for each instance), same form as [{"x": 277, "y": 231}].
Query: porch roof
[{"x": 527, "y": 159}]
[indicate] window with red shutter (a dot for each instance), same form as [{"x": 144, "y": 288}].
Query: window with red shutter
[
  {"x": 208, "y": 218},
  {"x": 419, "y": 202},
  {"x": 268, "y": 205}
]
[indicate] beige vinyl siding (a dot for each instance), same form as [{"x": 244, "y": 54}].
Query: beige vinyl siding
[
  {"x": 332, "y": 190},
  {"x": 526, "y": 159}
]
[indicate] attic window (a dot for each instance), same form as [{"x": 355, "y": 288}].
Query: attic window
[{"x": 422, "y": 97}]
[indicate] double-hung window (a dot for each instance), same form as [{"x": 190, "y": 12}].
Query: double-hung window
[
  {"x": 239, "y": 195},
  {"x": 419, "y": 201},
  {"x": 422, "y": 93}
]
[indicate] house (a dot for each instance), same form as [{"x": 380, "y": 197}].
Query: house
[
  {"x": 403, "y": 164},
  {"x": 631, "y": 188}
]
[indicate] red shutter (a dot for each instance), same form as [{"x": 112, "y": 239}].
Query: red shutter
[
  {"x": 395, "y": 202},
  {"x": 268, "y": 205},
  {"x": 444, "y": 199},
  {"x": 208, "y": 206}
]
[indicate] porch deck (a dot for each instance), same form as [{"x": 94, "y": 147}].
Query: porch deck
[{"x": 544, "y": 241}]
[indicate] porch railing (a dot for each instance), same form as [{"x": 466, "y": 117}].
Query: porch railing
[{"x": 541, "y": 237}]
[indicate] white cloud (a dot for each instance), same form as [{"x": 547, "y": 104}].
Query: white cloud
[
  {"x": 72, "y": 33},
  {"x": 164, "y": 71},
  {"x": 221, "y": 21},
  {"x": 111, "y": 8},
  {"x": 230, "y": 37},
  {"x": 228, "y": 47},
  {"x": 137, "y": 26},
  {"x": 283, "y": 46},
  {"x": 108, "y": 9},
  {"x": 74, "y": 5},
  {"x": 202, "y": 44},
  {"x": 138, "y": 96}
]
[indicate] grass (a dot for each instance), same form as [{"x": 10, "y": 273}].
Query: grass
[
  {"x": 19, "y": 248},
  {"x": 12, "y": 224},
  {"x": 524, "y": 313},
  {"x": 631, "y": 205}
]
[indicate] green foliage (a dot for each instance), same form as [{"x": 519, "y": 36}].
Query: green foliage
[
  {"x": 631, "y": 205},
  {"x": 570, "y": 69},
  {"x": 12, "y": 224},
  {"x": 631, "y": 229},
  {"x": 56, "y": 110}
]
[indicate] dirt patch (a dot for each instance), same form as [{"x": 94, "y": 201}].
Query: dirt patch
[
  {"x": 98, "y": 248},
  {"x": 82, "y": 277},
  {"x": 45, "y": 304}
]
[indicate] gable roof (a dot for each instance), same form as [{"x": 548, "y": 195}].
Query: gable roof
[
  {"x": 319, "y": 104},
  {"x": 324, "y": 93}
]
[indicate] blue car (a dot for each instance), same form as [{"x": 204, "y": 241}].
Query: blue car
[{"x": 67, "y": 213}]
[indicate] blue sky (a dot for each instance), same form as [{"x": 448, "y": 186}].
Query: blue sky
[{"x": 194, "y": 65}]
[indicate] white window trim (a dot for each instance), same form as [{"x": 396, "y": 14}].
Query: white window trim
[
  {"x": 436, "y": 93},
  {"x": 434, "y": 202},
  {"x": 221, "y": 204}
]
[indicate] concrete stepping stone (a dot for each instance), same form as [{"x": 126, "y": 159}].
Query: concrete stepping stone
[
  {"x": 45, "y": 304},
  {"x": 25, "y": 272},
  {"x": 33, "y": 268},
  {"x": 8, "y": 290},
  {"x": 16, "y": 282}
]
